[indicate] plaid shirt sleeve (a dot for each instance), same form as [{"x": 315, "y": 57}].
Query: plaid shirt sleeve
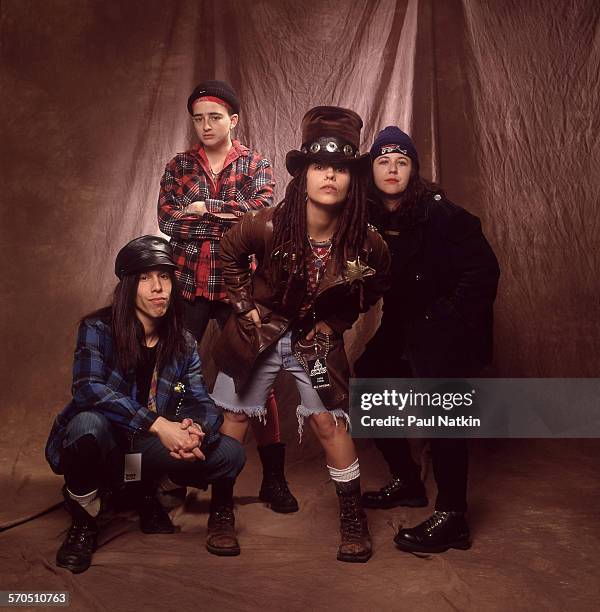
[
  {"x": 172, "y": 200},
  {"x": 201, "y": 408},
  {"x": 91, "y": 374},
  {"x": 260, "y": 192}
]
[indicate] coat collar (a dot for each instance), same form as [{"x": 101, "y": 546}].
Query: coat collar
[{"x": 355, "y": 269}]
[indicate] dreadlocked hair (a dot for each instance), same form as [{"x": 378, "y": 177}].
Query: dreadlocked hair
[{"x": 289, "y": 224}]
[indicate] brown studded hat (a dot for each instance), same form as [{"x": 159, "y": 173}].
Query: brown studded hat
[{"x": 329, "y": 134}]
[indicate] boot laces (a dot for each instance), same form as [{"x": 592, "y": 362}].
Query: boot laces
[
  {"x": 221, "y": 518},
  {"x": 79, "y": 533},
  {"x": 351, "y": 517},
  {"x": 391, "y": 486},
  {"x": 435, "y": 520}
]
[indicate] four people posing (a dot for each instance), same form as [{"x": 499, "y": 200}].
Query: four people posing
[{"x": 140, "y": 410}]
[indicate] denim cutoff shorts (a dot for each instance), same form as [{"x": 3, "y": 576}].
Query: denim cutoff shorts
[{"x": 251, "y": 401}]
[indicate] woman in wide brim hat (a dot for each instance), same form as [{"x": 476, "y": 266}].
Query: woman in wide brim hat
[
  {"x": 329, "y": 134},
  {"x": 319, "y": 266}
]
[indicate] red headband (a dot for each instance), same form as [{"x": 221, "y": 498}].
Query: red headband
[{"x": 213, "y": 99}]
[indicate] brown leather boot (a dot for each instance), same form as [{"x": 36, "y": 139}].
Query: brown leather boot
[
  {"x": 220, "y": 538},
  {"x": 355, "y": 546}
]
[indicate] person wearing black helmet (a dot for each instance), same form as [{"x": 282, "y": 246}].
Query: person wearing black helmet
[
  {"x": 437, "y": 323},
  {"x": 203, "y": 192},
  {"x": 140, "y": 411}
]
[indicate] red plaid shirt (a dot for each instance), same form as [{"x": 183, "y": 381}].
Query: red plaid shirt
[{"x": 245, "y": 183}]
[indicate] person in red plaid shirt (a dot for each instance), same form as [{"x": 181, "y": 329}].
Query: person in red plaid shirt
[{"x": 203, "y": 192}]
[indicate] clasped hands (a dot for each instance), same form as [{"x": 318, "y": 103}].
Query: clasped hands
[{"x": 182, "y": 440}]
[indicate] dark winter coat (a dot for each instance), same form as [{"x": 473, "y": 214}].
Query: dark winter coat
[{"x": 438, "y": 313}]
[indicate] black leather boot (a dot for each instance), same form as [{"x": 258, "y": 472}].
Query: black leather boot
[
  {"x": 76, "y": 551},
  {"x": 441, "y": 531},
  {"x": 397, "y": 492},
  {"x": 153, "y": 517},
  {"x": 274, "y": 489},
  {"x": 355, "y": 545}
]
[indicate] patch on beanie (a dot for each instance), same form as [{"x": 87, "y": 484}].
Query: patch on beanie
[{"x": 393, "y": 148}]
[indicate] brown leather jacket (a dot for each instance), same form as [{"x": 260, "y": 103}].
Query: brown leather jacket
[{"x": 339, "y": 300}]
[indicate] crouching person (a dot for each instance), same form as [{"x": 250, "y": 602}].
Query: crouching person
[{"x": 140, "y": 411}]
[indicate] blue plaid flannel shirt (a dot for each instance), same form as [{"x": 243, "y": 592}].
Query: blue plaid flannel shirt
[{"x": 99, "y": 384}]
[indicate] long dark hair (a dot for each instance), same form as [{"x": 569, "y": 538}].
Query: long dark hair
[
  {"x": 417, "y": 188},
  {"x": 128, "y": 332},
  {"x": 289, "y": 222}
]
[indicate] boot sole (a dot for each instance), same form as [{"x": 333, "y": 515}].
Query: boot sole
[
  {"x": 410, "y": 547},
  {"x": 354, "y": 558},
  {"x": 159, "y": 531},
  {"x": 279, "y": 509},
  {"x": 223, "y": 552},
  {"x": 74, "y": 569},
  {"x": 419, "y": 502},
  {"x": 282, "y": 510}
]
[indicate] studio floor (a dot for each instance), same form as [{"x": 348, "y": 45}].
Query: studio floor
[{"x": 534, "y": 516}]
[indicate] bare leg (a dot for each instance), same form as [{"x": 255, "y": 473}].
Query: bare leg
[
  {"x": 355, "y": 545},
  {"x": 335, "y": 440},
  {"x": 235, "y": 425}
]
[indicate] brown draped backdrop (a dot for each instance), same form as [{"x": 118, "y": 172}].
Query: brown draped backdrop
[{"x": 501, "y": 98}]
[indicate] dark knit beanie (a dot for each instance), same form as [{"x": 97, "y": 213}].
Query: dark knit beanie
[
  {"x": 215, "y": 89},
  {"x": 393, "y": 140}
]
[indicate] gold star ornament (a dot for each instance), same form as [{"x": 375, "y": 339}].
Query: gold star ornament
[{"x": 357, "y": 271}]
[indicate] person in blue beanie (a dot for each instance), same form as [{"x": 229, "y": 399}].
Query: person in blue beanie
[{"x": 437, "y": 316}]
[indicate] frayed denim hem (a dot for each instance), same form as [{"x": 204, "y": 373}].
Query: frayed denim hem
[
  {"x": 259, "y": 412},
  {"x": 302, "y": 412}
]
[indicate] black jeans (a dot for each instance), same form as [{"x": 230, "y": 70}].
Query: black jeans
[
  {"x": 198, "y": 313},
  {"x": 449, "y": 456},
  {"x": 94, "y": 449}
]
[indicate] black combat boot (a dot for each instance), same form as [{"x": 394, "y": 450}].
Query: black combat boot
[
  {"x": 397, "y": 492},
  {"x": 153, "y": 517},
  {"x": 441, "y": 531},
  {"x": 274, "y": 489},
  {"x": 355, "y": 545},
  {"x": 76, "y": 551}
]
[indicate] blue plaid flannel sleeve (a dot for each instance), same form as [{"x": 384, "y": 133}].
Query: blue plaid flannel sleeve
[
  {"x": 91, "y": 376},
  {"x": 198, "y": 405}
]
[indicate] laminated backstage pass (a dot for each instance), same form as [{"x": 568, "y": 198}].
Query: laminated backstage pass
[
  {"x": 133, "y": 467},
  {"x": 317, "y": 370}
]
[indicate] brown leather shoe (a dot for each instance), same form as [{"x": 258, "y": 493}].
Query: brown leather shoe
[
  {"x": 220, "y": 537},
  {"x": 355, "y": 545}
]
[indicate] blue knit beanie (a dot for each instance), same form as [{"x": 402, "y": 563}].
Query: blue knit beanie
[{"x": 393, "y": 140}]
